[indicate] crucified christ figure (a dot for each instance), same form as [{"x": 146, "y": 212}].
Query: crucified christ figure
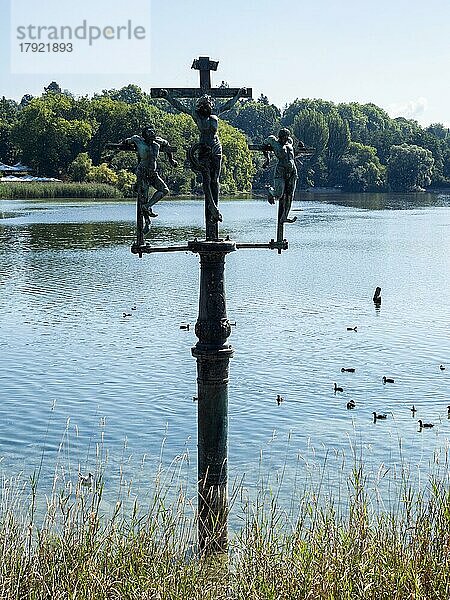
[
  {"x": 206, "y": 155},
  {"x": 285, "y": 178}
]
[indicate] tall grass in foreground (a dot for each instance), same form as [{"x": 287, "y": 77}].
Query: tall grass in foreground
[
  {"x": 58, "y": 190},
  {"x": 325, "y": 550}
]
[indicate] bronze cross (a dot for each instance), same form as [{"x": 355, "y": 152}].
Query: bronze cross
[{"x": 204, "y": 65}]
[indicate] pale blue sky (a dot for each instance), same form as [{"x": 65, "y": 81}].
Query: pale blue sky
[{"x": 395, "y": 53}]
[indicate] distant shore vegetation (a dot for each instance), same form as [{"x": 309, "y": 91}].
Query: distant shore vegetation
[
  {"x": 358, "y": 147},
  {"x": 15, "y": 190}
]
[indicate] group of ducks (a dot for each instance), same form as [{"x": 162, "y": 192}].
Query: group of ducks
[
  {"x": 352, "y": 404},
  {"x": 382, "y": 416},
  {"x": 125, "y": 314},
  {"x": 376, "y": 416}
]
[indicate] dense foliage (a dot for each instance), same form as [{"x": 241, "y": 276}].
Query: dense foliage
[
  {"x": 358, "y": 147},
  {"x": 356, "y": 144}
]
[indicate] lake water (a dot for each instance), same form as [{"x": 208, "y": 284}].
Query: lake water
[{"x": 78, "y": 378}]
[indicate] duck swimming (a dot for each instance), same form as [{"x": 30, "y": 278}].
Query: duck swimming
[
  {"x": 351, "y": 405},
  {"x": 280, "y": 399},
  {"x": 86, "y": 480},
  {"x": 337, "y": 389},
  {"x": 185, "y": 326},
  {"x": 425, "y": 425},
  {"x": 388, "y": 380},
  {"x": 352, "y": 328},
  {"x": 350, "y": 370},
  {"x": 379, "y": 416}
]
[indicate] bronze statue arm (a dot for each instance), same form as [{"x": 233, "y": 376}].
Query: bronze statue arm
[
  {"x": 127, "y": 144},
  {"x": 231, "y": 102},
  {"x": 175, "y": 102},
  {"x": 165, "y": 147},
  {"x": 266, "y": 149},
  {"x": 172, "y": 161},
  {"x": 266, "y": 153}
]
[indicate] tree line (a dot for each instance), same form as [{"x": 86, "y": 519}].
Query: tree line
[{"x": 358, "y": 147}]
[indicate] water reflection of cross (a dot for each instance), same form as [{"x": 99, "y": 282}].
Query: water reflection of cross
[{"x": 204, "y": 65}]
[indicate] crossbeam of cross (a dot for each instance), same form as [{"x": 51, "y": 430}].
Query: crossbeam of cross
[{"x": 204, "y": 65}]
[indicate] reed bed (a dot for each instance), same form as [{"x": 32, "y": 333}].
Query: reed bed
[
  {"x": 328, "y": 547},
  {"x": 58, "y": 190}
]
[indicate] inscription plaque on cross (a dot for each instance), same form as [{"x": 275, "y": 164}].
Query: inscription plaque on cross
[{"x": 204, "y": 65}]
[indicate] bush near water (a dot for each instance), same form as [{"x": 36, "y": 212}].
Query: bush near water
[{"x": 359, "y": 147}]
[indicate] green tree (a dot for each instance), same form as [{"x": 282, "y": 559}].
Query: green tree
[
  {"x": 360, "y": 169},
  {"x": 408, "y": 128},
  {"x": 338, "y": 144},
  {"x": 127, "y": 161},
  {"x": 103, "y": 174},
  {"x": 80, "y": 168},
  {"x": 53, "y": 88},
  {"x": 409, "y": 168},
  {"x": 379, "y": 131},
  {"x": 311, "y": 127},
  {"x": 47, "y": 135},
  {"x": 356, "y": 119},
  {"x": 116, "y": 120},
  {"x": 112, "y": 124},
  {"x": 126, "y": 182},
  {"x": 130, "y": 94},
  {"x": 8, "y": 109},
  {"x": 425, "y": 139},
  {"x": 181, "y": 132},
  {"x": 237, "y": 166},
  {"x": 8, "y": 116},
  {"x": 8, "y": 151},
  {"x": 439, "y": 131},
  {"x": 26, "y": 99},
  {"x": 257, "y": 120},
  {"x": 323, "y": 107}
]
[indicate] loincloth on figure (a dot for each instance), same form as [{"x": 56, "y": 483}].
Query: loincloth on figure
[
  {"x": 285, "y": 179},
  {"x": 151, "y": 178},
  {"x": 205, "y": 158}
]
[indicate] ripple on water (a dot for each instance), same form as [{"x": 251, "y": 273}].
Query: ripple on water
[{"x": 65, "y": 342}]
